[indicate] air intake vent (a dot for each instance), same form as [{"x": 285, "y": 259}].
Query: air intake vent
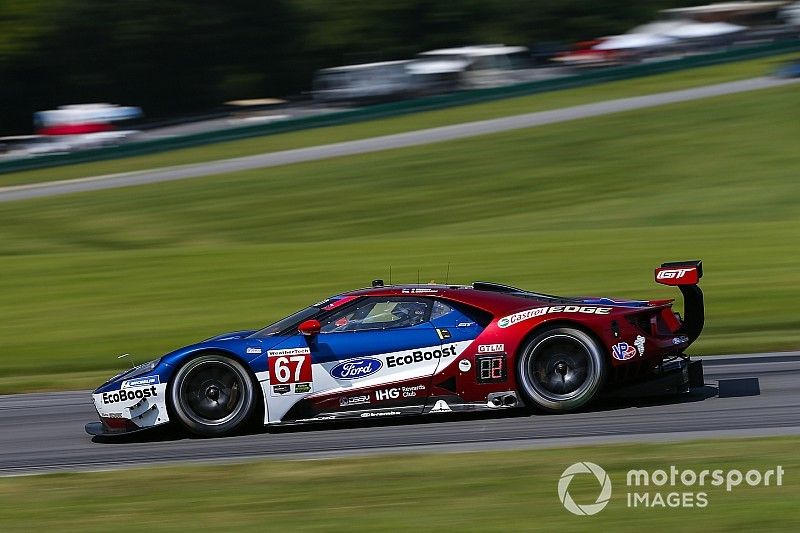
[
  {"x": 494, "y": 287},
  {"x": 449, "y": 384}
]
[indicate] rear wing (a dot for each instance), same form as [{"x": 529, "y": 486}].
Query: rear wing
[{"x": 686, "y": 275}]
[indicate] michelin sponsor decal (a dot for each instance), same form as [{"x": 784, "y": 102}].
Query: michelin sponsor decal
[
  {"x": 639, "y": 343},
  {"x": 516, "y": 318},
  {"x": 253, "y": 350},
  {"x": 141, "y": 382}
]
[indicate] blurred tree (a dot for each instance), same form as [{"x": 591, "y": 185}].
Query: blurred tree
[{"x": 176, "y": 56}]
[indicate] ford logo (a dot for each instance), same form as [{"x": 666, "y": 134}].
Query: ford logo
[{"x": 356, "y": 368}]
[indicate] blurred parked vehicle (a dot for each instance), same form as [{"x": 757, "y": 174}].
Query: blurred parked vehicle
[
  {"x": 585, "y": 54},
  {"x": 83, "y": 118},
  {"x": 368, "y": 82},
  {"x": 469, "y": 67},
  {"x": 791, "y": 14},
  {"x": 70, "y": 128}
]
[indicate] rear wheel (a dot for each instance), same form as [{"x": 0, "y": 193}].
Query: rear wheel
[
  {"x": 212, "y": 395},
  {"x": 561, "y": 369}
]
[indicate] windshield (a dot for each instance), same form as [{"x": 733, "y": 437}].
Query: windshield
[{"x": 282, "y": 324}]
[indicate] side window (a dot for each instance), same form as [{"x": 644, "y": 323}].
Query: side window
[
  {"x": 440, "y": 309},
  {"x": 378, "y": 313}
]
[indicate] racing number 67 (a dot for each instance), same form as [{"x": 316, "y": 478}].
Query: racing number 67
[{"x": 290, "y": 369}]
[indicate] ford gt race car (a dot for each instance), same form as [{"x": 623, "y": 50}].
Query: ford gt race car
[{"x": 397, "y": 350}]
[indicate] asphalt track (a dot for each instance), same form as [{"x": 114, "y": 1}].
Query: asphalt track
[
  {"x": 374, "y": 144},
  {"x": 44, "y": 432}
]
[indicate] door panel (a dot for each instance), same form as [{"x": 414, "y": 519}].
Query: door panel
[{"x": 375, "y": 369}]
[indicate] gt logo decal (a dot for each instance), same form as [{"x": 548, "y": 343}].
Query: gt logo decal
[
  {"x": 290, "y": 368},
  {"x": 676, "y": 273}
]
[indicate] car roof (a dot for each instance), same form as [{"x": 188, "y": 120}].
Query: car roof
[{"x": 489, "y": 296}]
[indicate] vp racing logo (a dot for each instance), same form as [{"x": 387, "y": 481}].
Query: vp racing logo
[{"x": 591, "y": 508}]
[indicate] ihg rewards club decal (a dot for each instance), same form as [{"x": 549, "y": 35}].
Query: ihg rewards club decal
[{"x": 666, "y": 488}]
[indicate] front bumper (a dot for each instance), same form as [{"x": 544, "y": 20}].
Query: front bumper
[
  {"x": 130, "y": 408},
  {"x": 100, "y": 429}
]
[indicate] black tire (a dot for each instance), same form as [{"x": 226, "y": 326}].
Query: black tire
[
  {"x": 560, "y": 370},
  {"x": 212, "y": 395}
]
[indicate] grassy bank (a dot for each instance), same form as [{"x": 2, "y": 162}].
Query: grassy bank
[
  {"x": 639, "y": 86},
  {"x": 586, "y": 207},
  {"x": 486, "y": 491}
]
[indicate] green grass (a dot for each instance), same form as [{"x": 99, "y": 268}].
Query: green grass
[
  {"x": 486, "y": 491},
  {"x": 539, "y": 102},
  {"x": 586, "y": 207}
]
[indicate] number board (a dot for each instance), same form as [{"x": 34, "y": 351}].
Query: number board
[
  {"x": 290, "y": 366},
  {"x": 491, "y": 368}
]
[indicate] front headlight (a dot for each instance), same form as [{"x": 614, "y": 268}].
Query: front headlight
[
  {"x": 140, "y": 370},
  {"x": 135, "y": 372}
]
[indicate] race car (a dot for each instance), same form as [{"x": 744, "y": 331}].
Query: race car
[{"x": 395, "y": 350}]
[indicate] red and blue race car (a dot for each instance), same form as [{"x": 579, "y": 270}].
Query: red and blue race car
[{"x": 399, "y": 350}]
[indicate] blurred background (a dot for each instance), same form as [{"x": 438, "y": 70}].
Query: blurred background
[{"x": 182, "y": 66}]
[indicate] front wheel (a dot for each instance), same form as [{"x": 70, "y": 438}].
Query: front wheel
[
  {"x": 561, "y": 369},
  {"x": 212, "y": 395}
]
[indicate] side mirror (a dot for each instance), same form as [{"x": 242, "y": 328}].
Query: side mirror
[{"x": 309, "y": 327}]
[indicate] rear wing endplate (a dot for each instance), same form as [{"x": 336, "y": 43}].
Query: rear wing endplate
[{"x": 685, "y": 275}]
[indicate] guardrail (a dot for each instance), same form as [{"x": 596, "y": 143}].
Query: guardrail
[{"x": 400, "y": 108}]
